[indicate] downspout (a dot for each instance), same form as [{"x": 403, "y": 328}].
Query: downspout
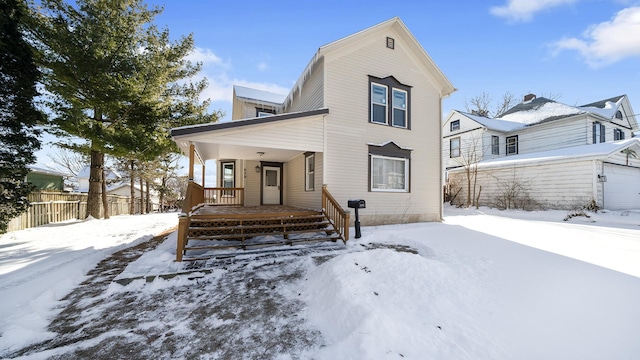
[{"x": 324, "y": 149}]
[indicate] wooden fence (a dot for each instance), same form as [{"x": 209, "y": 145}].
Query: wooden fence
[{"x": 52, "y": 207}]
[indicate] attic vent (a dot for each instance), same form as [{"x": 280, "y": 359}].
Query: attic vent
[
  {"x": 391, "y": 43},
  {"x": 619, "y": 115}
]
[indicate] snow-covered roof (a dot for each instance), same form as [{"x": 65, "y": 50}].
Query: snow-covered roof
[
  {"x": 564, "y": 154},
  {"x": 109, "y": 173},
  {"x": 606, "y": 108},
  {"x": 540, "y": 110},
  {"x": 494, "y": 124},
  {"x": 40, "y": 170},
  {"x": 258, "y": 95}
]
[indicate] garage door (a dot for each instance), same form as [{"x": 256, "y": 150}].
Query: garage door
[{"x": 622, "y": 189}]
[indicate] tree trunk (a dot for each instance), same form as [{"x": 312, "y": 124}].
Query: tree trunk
[
  {"x": 141, "y": 195},
  {"x": 105, "y": 203},
  {"x": 95, "y": 179},
  {"x": 164, "y": 186},
  {"x": 148, "y": 202},
  {"x": 132, "y": 183}
]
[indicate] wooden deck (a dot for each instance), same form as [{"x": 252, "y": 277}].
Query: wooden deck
[{"x": 211, "y": 227}]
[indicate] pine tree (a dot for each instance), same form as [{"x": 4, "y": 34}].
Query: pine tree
[
  {"x": 116, "y": 80},
  {"x": 18, "y": 115}
]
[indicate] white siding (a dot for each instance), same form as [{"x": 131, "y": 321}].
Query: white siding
[
  {"x": 622, "y": 188},
  {"x": 252, "y": 184},
  {"x": 311, "y": 96},
  {"x": 562, "y": 185},
  {"x": 554, "y": 135},
  {"x": 349, "y": 131},
  {"x": 294, "y": 172}
]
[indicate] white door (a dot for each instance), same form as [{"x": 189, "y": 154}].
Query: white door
[
  {"x": 622, "y": 188},
  {"x": 270, "y": 185}
]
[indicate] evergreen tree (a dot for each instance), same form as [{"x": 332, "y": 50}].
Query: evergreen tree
[
  {"x": 116, "y": 80},
  {"x": 18, "y": 115}
]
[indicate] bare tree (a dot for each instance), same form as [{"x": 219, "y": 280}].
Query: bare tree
[
  {"x": 471, "y": 153},
  {"x": 483, "y": 103}
]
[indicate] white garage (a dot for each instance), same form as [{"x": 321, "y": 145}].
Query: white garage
[{"x": 622, "y": 188}]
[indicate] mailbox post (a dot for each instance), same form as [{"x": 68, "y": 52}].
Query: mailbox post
[{"x": 357, "y": 204}]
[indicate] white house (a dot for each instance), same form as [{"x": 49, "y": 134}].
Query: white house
[
  {"x": 547, "y": 153},
  {"x": 363, "y": 119}
]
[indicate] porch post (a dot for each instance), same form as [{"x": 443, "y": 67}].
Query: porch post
[
  {"x": 203, "y": 167},
  {"x": 192, "y": 154}
]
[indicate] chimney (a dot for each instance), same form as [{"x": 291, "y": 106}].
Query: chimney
[{"x": 529, "y": 97}]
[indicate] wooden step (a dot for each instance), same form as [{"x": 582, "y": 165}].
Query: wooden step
[
  {"x": 263, "y": 244},
  {"x": 256, "y": 234}
]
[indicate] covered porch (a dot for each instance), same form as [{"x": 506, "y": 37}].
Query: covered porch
[{"x": 268, "y": 188}]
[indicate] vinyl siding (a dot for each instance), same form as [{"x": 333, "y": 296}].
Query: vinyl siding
[
  {"x": 251, "y": 184},
  {"x": 564, "y": 185},
  {"x": 294, "y": 172},
  {"x": 349, "y": 131},
  {"x": 311, "y": 96}
]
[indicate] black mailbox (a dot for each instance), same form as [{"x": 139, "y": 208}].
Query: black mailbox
[{"x": 357, "y": 204}]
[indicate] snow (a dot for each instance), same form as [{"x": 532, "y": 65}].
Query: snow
[
  {"x": 590, "y": 151},
  {"x": 495, "y": 124},
  {"x": 484, "y": 284},
  {"x": 259, "y": 95},
  {"x": 545, "y": 111}
]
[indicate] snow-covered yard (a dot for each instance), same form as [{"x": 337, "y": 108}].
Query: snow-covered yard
[{"x": 485, "y": 284}]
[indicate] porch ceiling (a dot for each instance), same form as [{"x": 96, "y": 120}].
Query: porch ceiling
[{"x": 277, "y": 141}]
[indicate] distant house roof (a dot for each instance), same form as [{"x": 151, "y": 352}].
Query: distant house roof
[
  {"x": 569, "y": 153},
  {"x": 540, "y": 110},
  {"x": 258, "y": 95},
  {"x": 40, "y": 170},
  {"x": 110, "y": 174},
  {"x": 494, "y": 124}
]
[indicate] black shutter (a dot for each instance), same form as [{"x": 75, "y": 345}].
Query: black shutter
[{"x": 602, "y": 138}]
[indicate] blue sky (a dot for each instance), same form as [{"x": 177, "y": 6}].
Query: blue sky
[{"x": 579, "y": 51}]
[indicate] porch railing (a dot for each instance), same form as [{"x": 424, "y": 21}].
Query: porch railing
[
  {"x": 197, "y": 194},
  {"x": 335, "y": 213}
]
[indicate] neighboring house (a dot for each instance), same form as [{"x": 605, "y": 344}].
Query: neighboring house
[
  {"x": 44, "y": 179},
  {"x": 547, "y": 154},
  {"x": 111, "y": 176},
  {"x": 363, "y": 119},
  {"x": 124, "y": 189}
]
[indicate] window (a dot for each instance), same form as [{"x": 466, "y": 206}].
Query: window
[
  {"x": 454, "y": 147},
  {"x": 399, "y": 108},
  {"x": 454, "y": 125},
  {"x": 618, "y": 134},
  {"x": 378, "y": 104},
  {"x": 309, "y": 171},
  {"x": 389, "y": 174},
  {"x": 619, "y": 115},
  {"x": 512, "y": 145},
  {"x": 228, "y": 178},
  {"x": 390, "y": 102},
  {"x": 261, "y": 112},
  {"x": 495, "y": 145},
  {"x": 598, "y": 133},
  {"x": 389, "y": 168}
]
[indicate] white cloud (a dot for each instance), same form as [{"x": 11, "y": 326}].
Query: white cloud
[
  {"x": 607, "y": 42},
  {"x": 207, "y": 58},
  {"x": 523, "y": 10}
]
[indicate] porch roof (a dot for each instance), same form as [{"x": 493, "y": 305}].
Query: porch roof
[{"x": 276, "y": 138}]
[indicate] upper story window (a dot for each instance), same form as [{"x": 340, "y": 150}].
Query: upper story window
[
  {"x": 378, "y": 103},
  {"x": 454, "y": 147},
  {"x": 618, "y": 134},
  {"x": 598, "y": 133},
  {"x": 495, "y": 145},
  {"x": 264, "y": 112},
  {"x": 512, "y": 145},
  {"x": 390, "y": 102},
  {"x": 454, "y": 125},
  {"x": 619, "y": 115}
]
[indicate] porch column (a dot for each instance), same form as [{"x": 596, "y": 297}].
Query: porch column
[
  {"x": 203, "y": 168},
  {"x": 192, "y": 156}
]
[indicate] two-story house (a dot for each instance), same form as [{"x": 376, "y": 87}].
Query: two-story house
[
  {"x": 363, "y": 120},
  {"x": 545, "y": 154}
]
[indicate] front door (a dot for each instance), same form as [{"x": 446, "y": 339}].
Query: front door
[{"x": 270, "y": 185}]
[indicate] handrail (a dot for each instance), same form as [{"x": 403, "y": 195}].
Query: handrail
[
  {"x": 335, "y": 214},
  {"x": 224, "y": 196}
]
